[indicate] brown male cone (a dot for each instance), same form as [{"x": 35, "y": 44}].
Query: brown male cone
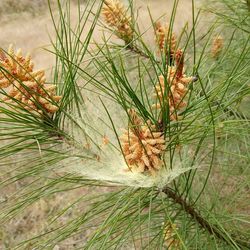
[{"x": 25, "y": 86}]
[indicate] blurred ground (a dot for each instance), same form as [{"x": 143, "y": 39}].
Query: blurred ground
[{"x": 27, "y": 24}]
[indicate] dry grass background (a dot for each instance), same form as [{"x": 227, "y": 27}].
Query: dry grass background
[{"x": 26, "y": 24}]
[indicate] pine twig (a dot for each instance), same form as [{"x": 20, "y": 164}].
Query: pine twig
[
  {"x": 139, "y": 52},
  {"x": 136, "y": 50},
  {"x": 248, "y": 4},
  {"x": 194, "y": 214}
]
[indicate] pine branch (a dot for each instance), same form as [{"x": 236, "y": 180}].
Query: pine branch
[
  {"x": 248, "y": 4},
  {"x": 139, "y": 52},
  {"x": 194, "y": 214}
]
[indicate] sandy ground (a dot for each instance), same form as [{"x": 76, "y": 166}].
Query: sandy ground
[{"x": 29, "y": 31}]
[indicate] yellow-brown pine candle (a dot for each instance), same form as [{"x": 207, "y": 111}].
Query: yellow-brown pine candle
[
  {"x": 177, "y": 82},
  {"x": 142, "y": 145},
  {"x": 25, "y": 85},
  {"x": 116, "y": 17},
  {"x": 163, "y": 40},
  {"x": 217, "y": 46},
  {"x": 171, "y": 240}
]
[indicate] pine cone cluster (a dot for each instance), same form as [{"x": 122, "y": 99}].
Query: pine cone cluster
[
  {"x": 176, "y": 93},
  {"x": 142, "y": 145},
  {"x": 163, "y": 38},
  {"x": 177, "y": 83},
  {"x": 115, "y": 16},
  {"x": 24, "y": 85},
  {"x": 171, "y": 240},
  {"x": 217, "y": 46}
]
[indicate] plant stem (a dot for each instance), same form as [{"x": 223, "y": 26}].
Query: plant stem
[
  {"x": 194, "y": 214},
  {"x": 139, "y": 52},
  {"x": 248, "y": 4}
]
